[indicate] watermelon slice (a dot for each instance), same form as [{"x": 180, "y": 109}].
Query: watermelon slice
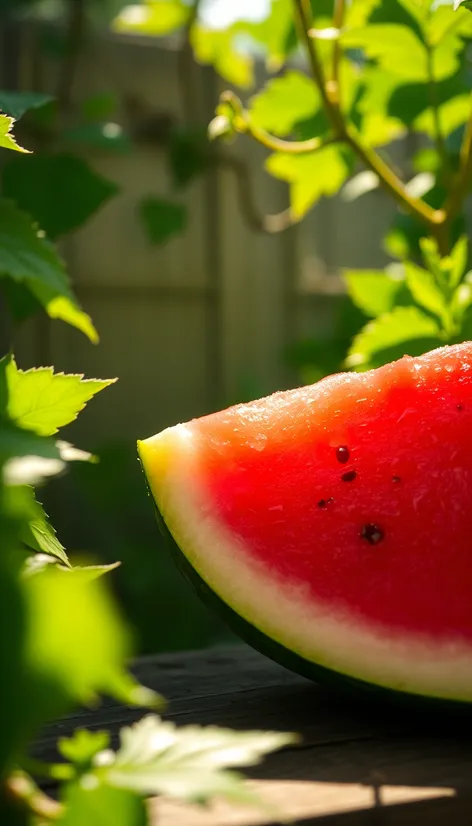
[{"x": 333, "y": 522}]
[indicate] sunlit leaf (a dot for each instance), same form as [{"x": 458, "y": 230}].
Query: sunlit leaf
[
  {"x": 378, "y": 126},
  {"x": 375, "y": 292},
  {"x": 452, "y": 114},
  {"x": 405, "y": 330},
  {"x": 218, "y": 48},
  {"x": 273, "y": 32},
  {"x": 28, "y": 258},
  {"x": 283, "y": 102},
  {"x": 358, "y": 13},
  {"x": 43, "y": 401},
  {"x": 77, "y": 644},
  {"x": 7, "y": 141},
  {"x": 459, "y": 257},
  {"x": 396, "y": 48},
  {"x": 425, "y": 289},
  {"x": 102, "y": 806},
  {"x": 399, "y": 51},
  {"x": 189, "y": 763},
  {"x": 162, "y": 219},
  {"x": 83, "y": 746},
  {"x": 152, "y": 18},
  {"x": 36, "y": 530},
  {"x": 310, "y": 176}
]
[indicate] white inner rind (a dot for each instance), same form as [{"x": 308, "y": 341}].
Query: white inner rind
[{"x": 285, "y": 612}]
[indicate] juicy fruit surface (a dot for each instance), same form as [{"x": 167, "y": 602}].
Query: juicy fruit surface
[{"x": 382, "y": 528}]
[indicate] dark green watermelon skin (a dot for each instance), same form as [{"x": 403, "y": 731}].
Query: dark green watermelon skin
[{"x": 340, "y": 683}]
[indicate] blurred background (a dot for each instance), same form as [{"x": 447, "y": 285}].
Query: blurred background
[{"x": 196, "y": 307}]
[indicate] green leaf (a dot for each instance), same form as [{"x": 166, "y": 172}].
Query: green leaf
[
  {"x": 218, "y": 49},
  {"x": 452, "y": 114},
  {"x": 152, "y": 18},
  {"x": 16, "y": 104},
  {"x": 101, "y": 806},
  {"x": 399, "y": 51},
  {"x": 459, "y": 257},
  {"x": 405, "y": 330},
  {"x": 375, "y": 292},
  {"x": 43, "y": 401},
  {"x": 283, "y": 102},
  {"x": 273, "y": 33},
  {"x": 425, "y": 289},
  {"x": 36, "y": 531},
  {"x": 396, "y": 49},
  {"x": 465, "y": 4},
  {"x": 162, "y": 219},
  {"x": 28, "y": 258},
  {"x": 460, "y": 305},
  {"x": 310, "y": 176},
  {"x": 76, "y": 646},
  {"x": 60, "y": 191},
  {"x": 82, "y": 747},
  {"x": 378, "y": 125},
  {"x": 7, "y": 141},
  {"x": 188, "y": 763}
]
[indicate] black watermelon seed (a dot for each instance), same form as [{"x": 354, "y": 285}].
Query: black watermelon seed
[
  {"x": 349, "y": 476},
  {"x": 372, "y": 534},
  {"x": 342, "y": 454},
  {"x": 459, "y": 406},
  {"x": 323, "y": 503},
  {"x": 396, "y": 479}
]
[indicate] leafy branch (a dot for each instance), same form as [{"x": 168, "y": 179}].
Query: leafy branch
[{"x": 348, "y": 132}]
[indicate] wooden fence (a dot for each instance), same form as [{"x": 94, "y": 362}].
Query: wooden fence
[{"x": 189, "y": 325}]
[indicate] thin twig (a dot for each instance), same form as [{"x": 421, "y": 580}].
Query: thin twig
[
  {"x": 271, "y": 224},
  {"x": 241, "y": 122},
  {"x": 347, "y": 131},
  {"x": 334, "y": 89},
  {"x": 461, "y": 183},
  {"x": 287, "y": 147}
]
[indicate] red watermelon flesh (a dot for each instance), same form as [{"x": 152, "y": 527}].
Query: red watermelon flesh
[{"x": 336, "y": 518}]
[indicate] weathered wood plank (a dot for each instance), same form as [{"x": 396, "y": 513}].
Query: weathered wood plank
[{"x": 355, "y": 755}]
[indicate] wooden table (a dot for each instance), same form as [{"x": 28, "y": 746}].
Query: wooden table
[{"x": 360, "y": 764}]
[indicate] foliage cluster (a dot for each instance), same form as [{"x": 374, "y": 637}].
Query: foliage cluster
[
  {"x": 63, "y": 641},
  {"x": 349, "y": 79}
]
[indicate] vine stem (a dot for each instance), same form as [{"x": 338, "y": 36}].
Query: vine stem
[
  {"x": 462, "y": 180},
  {"x": 334, "y": 90},
  {"x": 348, "y": 132},
  {"x": 288, "y": 147}
]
